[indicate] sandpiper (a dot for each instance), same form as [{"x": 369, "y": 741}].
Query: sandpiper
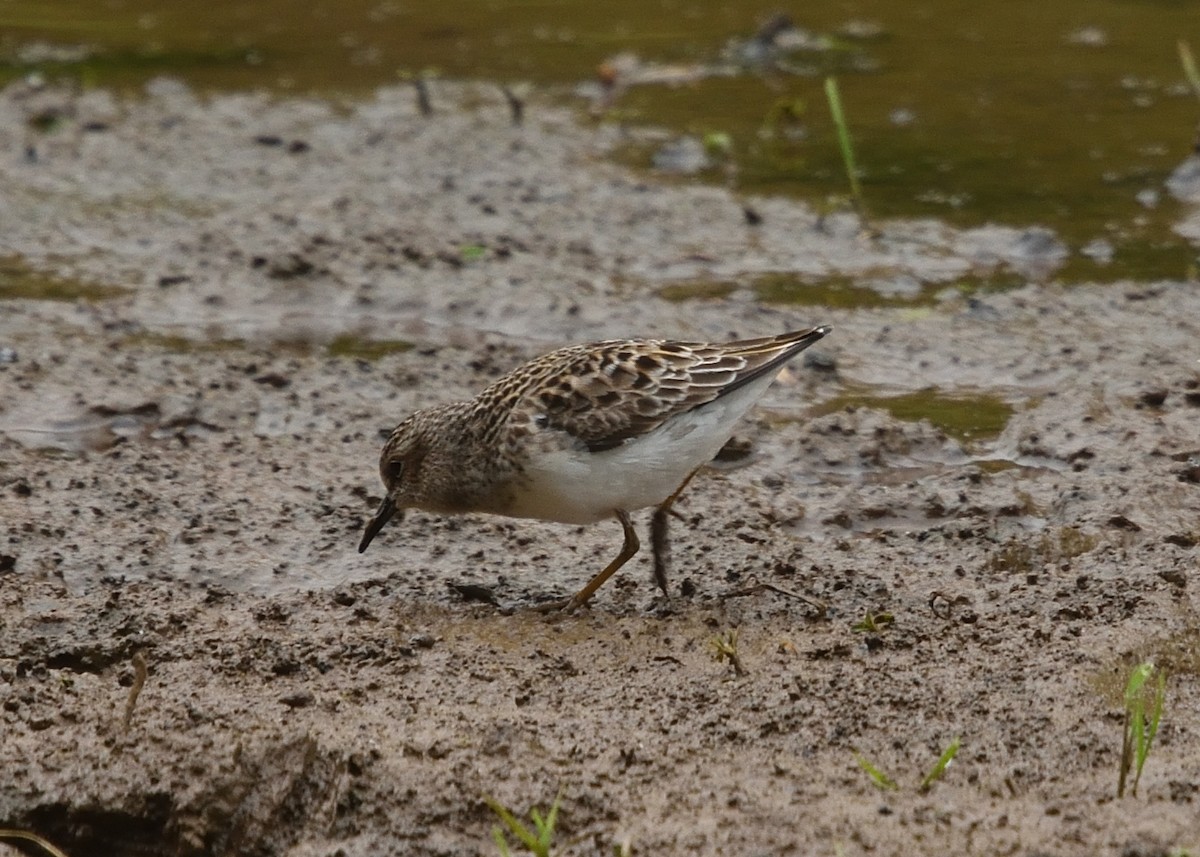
[{"x": 581, "y": 434}]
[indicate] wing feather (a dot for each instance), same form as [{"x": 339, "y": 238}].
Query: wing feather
[{"x": 609, "y": 392}]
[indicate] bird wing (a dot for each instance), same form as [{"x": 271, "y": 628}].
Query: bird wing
[{"x": 607, "y": 393}]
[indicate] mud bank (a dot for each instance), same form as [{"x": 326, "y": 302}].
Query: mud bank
[{"x": 186, "y": 463}]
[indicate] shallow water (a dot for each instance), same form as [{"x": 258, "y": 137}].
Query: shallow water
[
  {"x": 20, "y": 282},
  {"x": 1069, "y": 114}
]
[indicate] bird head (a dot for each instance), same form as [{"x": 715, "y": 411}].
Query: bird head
[{"x": 400, "y": 469}]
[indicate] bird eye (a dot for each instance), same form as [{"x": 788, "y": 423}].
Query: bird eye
[{"x": 395, "y": 470}]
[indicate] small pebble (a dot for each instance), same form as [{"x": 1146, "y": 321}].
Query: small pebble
[
  {"x": 421, "y": 641},
  {"x": 299, "y": 699}
]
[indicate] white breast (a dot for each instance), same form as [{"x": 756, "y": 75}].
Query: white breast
[{"x": 575, "y": 486}]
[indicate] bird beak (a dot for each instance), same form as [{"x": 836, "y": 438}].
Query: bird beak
[{"x": 386, "y": 510}]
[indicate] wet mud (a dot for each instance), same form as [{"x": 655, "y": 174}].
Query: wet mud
[{"x": 994, "y": 495}]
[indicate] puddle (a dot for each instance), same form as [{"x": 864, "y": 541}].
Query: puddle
[
  {"x": 971, "y": 420},
  {"x": 346, "y": 345},
  {"x": 844, "y": 291},
  {"x": 179, "y": 344},
  {"x": 20, "y": 282},
  {"x": 876, "y": 290},
  {"x": 349, "y": 345},
  {"x": 1150, "y": 260},
  {"x": 872, "y": 290},
  {"x": 99, "y": 428},
  {"x": 1070, "y": 115},
  {"x": 698, "y": 290}
]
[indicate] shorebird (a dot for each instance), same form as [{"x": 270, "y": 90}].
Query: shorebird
[{"x": 582, "y": 434}]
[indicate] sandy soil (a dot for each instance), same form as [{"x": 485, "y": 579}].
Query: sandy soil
[{"x": 185, "y": 470}]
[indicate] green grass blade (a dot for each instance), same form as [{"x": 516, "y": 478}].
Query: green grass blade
[
  {"x": 1189, "y": 66},
  {"x": 501, "y": 842},
  {"x": 545, "y": 833},
  {"x": 514, "y": 825},
  {"x": 1135, "y": 730},
  {"x": 507, "y": 817},
  {"x": 538, "y": 843},
  {"x": 1160, "y": 696},
  {"x": 877, "y": 776},
  {"x": 1137, "y": 678},
  {"x": 942, "y": 763},
  {"x": 843, "y": 132},
  {"x": 1146, "y": 728},
  {"x": 1143, "y": 714},
  {"x": 552, "y": 817}
]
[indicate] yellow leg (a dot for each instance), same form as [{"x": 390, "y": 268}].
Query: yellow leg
[
  {"x": 627, "y": 550},
  {"x": 658, "y": 535}
]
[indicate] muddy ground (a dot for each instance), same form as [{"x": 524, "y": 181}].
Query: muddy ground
[{"x": 186, "y": 465}]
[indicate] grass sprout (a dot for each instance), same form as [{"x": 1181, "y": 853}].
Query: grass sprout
[
  {"x": 877, "y": 776},
  {"x": 538, "y": 840},
  {"x": 843, "y": 131},
  {"x": 942, "y": 764},
  {"x": 1143, "y": 712},
  {"x": 872, "y": 623},
  {"x": 886, "y": 783},
  {"x": 1189, "y": 66},
  {"x": 725, "y": 648}
]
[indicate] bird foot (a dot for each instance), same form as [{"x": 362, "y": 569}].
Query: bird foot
[{"x": 565, "y": 605}]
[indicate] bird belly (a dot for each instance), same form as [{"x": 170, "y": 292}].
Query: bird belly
[{"x": 573, "y": 485}]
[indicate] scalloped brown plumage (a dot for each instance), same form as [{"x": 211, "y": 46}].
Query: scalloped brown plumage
[{"x": 583, "y": 433}]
